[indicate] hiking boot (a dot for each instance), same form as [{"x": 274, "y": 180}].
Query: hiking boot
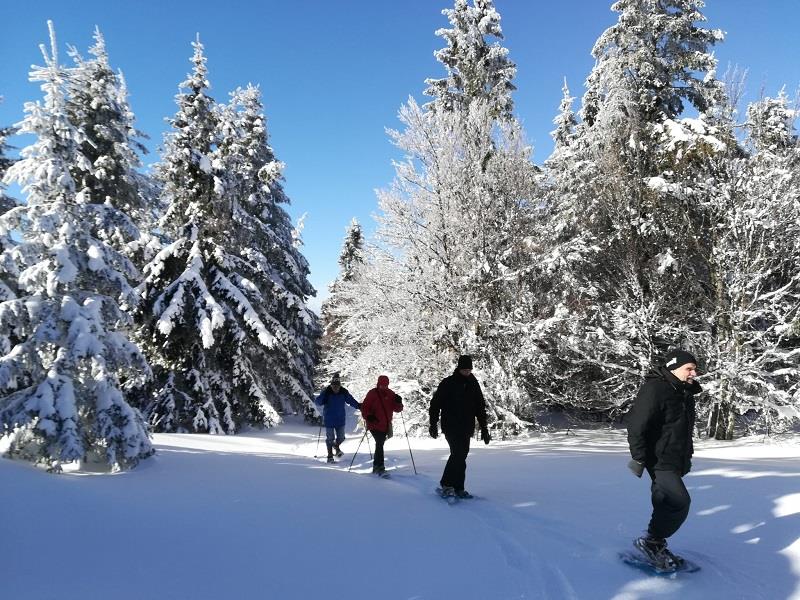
[
  {"x": 330, "y": 459},
  {"x": 338, "y": 451},
  {"x": 378, "y": 470},
  {"x": 463, "y": 494},
  {"x": 655, "y": 551},
  {"x": 448, "y": 492}
]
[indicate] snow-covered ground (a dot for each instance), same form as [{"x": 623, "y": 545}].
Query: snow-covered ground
[{"x": 257, "y": 516}]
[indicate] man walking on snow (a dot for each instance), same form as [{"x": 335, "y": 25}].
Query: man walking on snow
[
  {"x": 333, "y": 398},
  {"x": 460, "y": 401},
  {"x": 660, "y": 426}
]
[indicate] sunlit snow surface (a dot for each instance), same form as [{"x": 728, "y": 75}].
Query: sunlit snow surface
[{"x": 257, "y": 516}]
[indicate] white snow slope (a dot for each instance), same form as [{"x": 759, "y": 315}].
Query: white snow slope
[{"x": 257, "y": 516}]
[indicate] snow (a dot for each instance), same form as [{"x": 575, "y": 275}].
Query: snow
[{"x": 550, "y": 515}]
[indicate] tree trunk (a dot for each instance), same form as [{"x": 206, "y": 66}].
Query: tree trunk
[{"x": 721, "y": 421}]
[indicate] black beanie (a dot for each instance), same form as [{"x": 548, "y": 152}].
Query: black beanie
[
  {"x": 464, "y": 361},
  {"x": 678, "y": 358},
  {"x": 335, "y": 379}
]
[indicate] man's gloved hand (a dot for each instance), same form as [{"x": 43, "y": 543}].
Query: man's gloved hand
[
  {"x": 485, "y": 436},
  {"x": 434, "y": 431},
  {"x": 398, "y": 398},
  {"x": 636, "y": 467},
  {"x": 371, "y": 419}
]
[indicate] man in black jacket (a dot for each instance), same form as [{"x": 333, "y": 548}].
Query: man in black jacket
[
  {"x": 460, "y": 401},
  {"x": 660, "y": 427}
]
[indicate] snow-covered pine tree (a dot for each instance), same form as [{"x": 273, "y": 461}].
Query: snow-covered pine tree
[
  {"x": 177, "y": 313},
  {"x": 5, "y": 163},
  {"x": 97, "y": 104},
  {"x": 336, "y": 349},
  {"x": 63, "y": 339},
  {"x": 225, "y": 322},
  {"x": 636, "y": 213},
  {"x": 476, "y": 67},
  {"x": 276, "y": 348},
  {"x": 8, "y": 271},
  {"x": 755, "y": 264}
]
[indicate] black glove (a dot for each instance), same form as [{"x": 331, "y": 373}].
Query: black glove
[
  {"x": 687, "y": 469},
  {"x": 636, "y": 467},
  {"x": 359, "y": 405},
  {"x": 371, "y": 419},
  {"x": 398, "y": 398},
  {"x": 485, "y": 436},
  {"x": 434, "y": 431}
]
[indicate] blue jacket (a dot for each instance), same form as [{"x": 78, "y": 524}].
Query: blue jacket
[{"x": 333, "y": 406}]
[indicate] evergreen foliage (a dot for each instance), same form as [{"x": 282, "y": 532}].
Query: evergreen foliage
[
  {"x": 223, "y": 312},
  {"x": 66, "y": 357}
]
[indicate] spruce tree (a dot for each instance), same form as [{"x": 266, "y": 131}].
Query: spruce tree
[
  {"x": 8, "y": 271},
  {"x": 223, "y": 304},
  {"x": 476, "y": 67},
  {"x": 270, "y": 270},
  {"x": 97, "y": 104},
  {"x": 632, "y": 215},
  {"x": 66, "y": 355},
  {"x": 337, "y": 349}
]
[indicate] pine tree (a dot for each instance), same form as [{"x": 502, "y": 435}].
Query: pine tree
[
  {"x": 97, "y": 104},
  {"x": 5, "y": 162},
  {"x": 66, "y": 356},
  {"x": 270, "y": 269},
  {"x": 223, "y": 310},
  {"x": 8, "y": 271},
  {"x": 632, "y": 223},
  {"x": 337, "y": 350},
  {"x": 476, "y": 69}
]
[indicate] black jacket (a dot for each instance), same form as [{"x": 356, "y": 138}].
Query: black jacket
[
  {"x": 460, "y": 401},
  {"x": 661, "y": 422}
]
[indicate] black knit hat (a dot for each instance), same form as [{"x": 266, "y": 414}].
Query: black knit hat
[
  {"x": 678, "y": 358},
  {"x": 335, "y": 379},
  {"x": 464, "y": 361}
]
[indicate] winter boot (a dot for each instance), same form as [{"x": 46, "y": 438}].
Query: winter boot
[
  {"x": 464, "y": 494},
  {"x": 338, "y": 450},
  {"x": 330, "y": 459},
  {"x": 447, "y": 492},
  {"x": 655, "y": 551}
]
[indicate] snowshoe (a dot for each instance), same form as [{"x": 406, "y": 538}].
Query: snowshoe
[
  {"x": 653, "y": 556},
  {"x": 448, "y": 494}
]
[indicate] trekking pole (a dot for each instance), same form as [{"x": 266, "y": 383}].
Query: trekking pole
[
  {"x": 408, "y": 442},
  {"x": 352, "y": 460},
  {"x": 319, "y": 435},
  {"x": 369, "y": 446}
]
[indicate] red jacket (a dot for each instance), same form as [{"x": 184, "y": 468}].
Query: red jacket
[{"x": 378, "y": 407}]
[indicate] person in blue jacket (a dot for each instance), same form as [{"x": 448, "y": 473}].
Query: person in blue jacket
[{"x": 332, "y": 399}]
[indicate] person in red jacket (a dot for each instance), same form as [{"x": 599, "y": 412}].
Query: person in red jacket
[{"x": 378, "y": 409}]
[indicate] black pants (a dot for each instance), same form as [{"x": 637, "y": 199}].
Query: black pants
[
  {"x": 670, "y": 503},
  {"x": 380, "y": 439},
  {"x": 455, "y": 470}
]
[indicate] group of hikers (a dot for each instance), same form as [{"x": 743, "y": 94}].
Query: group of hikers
[{"x": 660, "y": 426}]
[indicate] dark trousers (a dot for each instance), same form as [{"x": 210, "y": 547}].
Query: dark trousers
[
  {"x": 380, "y": 439},
  {"x": 455, "y": 470},
  {"x": 670, "y": 503}
]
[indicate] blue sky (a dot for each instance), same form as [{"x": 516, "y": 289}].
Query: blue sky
[{"x": 333, "y": 75}]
